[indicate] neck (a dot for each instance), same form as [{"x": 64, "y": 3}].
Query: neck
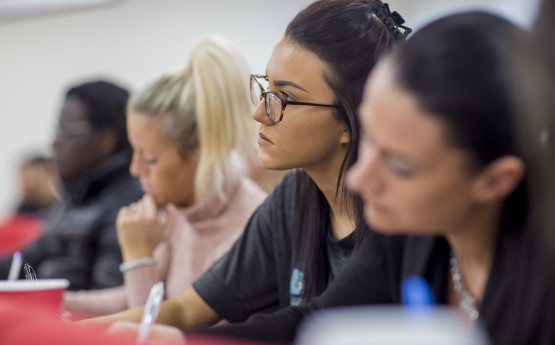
[
  {"x": 474, "y": 245},
  {"x": 341, "y": 218}
]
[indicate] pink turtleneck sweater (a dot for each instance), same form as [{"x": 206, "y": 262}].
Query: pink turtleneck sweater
[{"x": 202, "y": 234}]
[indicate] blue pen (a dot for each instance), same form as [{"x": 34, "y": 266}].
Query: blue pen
[{"x": 417, "y": 293}]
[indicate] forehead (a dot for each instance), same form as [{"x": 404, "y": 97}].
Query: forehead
[
  {"x": 290, "y": 61},
  {"x": 74, "y": 109},
  {"x": 393, "y": 117},
  {"x": 145, "y": 129}
]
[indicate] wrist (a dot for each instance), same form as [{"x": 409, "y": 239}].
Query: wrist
[
  {"x": 136, "y": 263},
  {"x": 130, "y": 255}
]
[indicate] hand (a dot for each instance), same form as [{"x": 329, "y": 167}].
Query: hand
[
  {"x": 160, "y": 335},
  {"x": 141, "y": 228}
]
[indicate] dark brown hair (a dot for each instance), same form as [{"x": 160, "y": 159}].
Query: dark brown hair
[{"x": 349, "y": 38}]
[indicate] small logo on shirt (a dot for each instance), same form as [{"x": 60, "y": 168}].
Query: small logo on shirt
[{"x": 296, "y": 287}]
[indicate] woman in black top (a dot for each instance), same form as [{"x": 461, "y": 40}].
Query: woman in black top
[
  {"x": 306, "y": 108},
  {"x": 454, "y": 153}
]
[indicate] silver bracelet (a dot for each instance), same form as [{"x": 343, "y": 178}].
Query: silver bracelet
[{"x": 144, "y": 261}]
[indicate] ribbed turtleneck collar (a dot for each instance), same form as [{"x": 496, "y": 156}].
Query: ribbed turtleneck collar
[{"x": 212, "y": 204}]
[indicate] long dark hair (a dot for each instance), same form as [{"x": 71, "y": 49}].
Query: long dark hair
[
  {"x": 464, "y": 70},
  {"x": 349, "y": 37}
]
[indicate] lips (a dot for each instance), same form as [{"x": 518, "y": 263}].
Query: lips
[
  {"x": 145, "y": 187},
  {"x": 264, "y": 140},
  {"x": 377, "y": 208}
]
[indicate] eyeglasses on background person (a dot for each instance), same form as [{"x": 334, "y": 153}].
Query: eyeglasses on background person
[
  {"x": 73, "y": 129},
  {"x": 275, "y": 104}
]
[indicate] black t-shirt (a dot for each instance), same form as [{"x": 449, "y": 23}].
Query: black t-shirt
[
  {"x": 511, "y": 311},
  {"x": 258, "y": 273}
]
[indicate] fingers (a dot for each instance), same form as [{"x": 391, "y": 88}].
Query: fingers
[
  {"x": 145, "y": 207},
  {"x": 149, "y": 208}
]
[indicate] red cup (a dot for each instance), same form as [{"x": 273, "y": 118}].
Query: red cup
[{"x": 46, "y": 294}]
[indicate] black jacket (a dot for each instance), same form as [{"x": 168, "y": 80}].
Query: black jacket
[{"x": 80, "y": 240}]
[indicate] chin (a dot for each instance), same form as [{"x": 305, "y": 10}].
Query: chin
[
  {"x": 272, "y": 164},
  {"x": 159, "y": 202},
  {"x": 382, "y": 225}
]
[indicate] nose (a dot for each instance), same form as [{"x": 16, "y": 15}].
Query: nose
[
  {"x": 134, "y": 167},
  {"x": 259, "y": 114},
  {"x": 364, "y": 175}
]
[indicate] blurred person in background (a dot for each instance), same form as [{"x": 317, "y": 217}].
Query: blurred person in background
[
  {"x": 92, "y": 155},
  {"x": 39, "y": 186},
  {"x": 39, "y": 189},
  {"x": 186, "y": 128}
]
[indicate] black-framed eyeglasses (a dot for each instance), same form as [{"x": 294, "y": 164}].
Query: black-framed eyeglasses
[
  {"x": 275, "y": 103},
  {"x": 73, "y": 129}
]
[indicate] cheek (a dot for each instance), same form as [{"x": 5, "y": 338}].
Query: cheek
[
  {"x": 314, "y": 141},
  {"x": 431, "y": 208},
  {"x": 161, "y": 178}
]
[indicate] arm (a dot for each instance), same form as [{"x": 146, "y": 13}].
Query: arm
[
  {"x": 185, "y": 311},
  {"x": 96, "y": 302}
]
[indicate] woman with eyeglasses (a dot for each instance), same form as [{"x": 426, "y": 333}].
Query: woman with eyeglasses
[
  {"x": 454, "y": 155},
  {"x": 185, "y": 128},
  {"x": 299, "y": 239}
]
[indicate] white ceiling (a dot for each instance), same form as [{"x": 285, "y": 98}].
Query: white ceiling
[{"x": 13, "y": 9}]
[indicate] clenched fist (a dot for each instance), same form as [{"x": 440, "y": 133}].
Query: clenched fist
[{"x": 142, "y": 226}]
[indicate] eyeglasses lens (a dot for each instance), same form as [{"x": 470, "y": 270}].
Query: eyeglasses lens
[
  {"x": 273, "y": 106},
  {"x": 256, "y": 92}
]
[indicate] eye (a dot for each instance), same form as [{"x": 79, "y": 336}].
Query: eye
[
  {"x": 287, "y": 96},
  {"x": 400, "y": 169},
  {"x": 149, "y": 159}
]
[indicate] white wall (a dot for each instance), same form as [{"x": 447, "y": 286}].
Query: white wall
[{"x": 132, "y": 42}]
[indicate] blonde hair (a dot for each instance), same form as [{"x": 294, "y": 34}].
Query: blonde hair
[{"x": 209, "y": 102}]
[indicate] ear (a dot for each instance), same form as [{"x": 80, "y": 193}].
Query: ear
[
  {"x": 345, "y": 139},
  {"x": 499, "y": 179},
  {"x": 107, "y": 141}
]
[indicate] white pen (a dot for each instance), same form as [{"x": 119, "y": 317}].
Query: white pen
[
  {"x": 150, "y": 313},
  {"x": 15, "y": 267}
]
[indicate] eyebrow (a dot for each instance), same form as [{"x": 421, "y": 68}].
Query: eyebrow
[
  {"x": 399, "y": 157},
  {"x": 289, "y": 83}
]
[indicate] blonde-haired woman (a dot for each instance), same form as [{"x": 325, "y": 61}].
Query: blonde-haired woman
[{"x": 187, "y": 129}]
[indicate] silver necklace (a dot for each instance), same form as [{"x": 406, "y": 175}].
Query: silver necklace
[{"x": 466, "y": 302}]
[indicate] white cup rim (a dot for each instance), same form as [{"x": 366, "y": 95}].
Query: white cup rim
[{"x": 33, "y": 285}]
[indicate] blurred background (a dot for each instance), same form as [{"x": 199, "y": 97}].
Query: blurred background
[{"x": 48, "y": 45}]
